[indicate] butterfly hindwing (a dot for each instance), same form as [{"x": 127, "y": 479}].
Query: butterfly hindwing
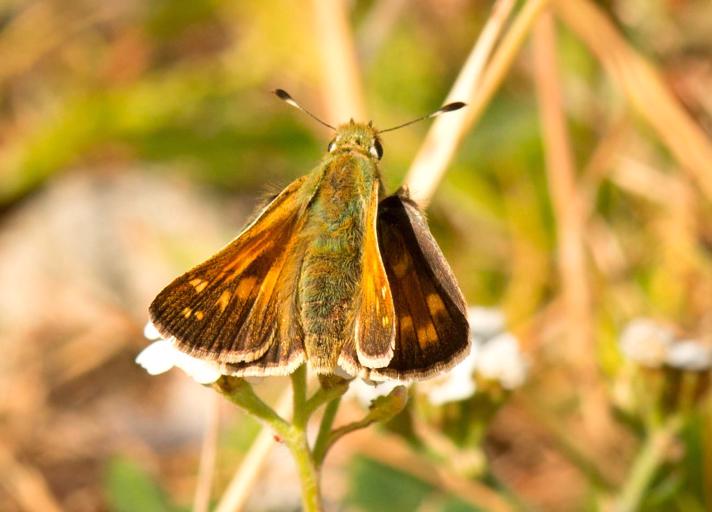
[
  {"x": 374, "y": 321},
  {"x": 432, "y": 332},
  {"x": 228, "y": 309}
]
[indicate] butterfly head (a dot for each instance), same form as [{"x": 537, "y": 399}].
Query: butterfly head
[{"x": 359, "y": 137}]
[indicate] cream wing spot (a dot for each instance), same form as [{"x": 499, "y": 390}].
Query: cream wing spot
[
  {"x": 431, "y": 334},
  {"x": 224, "y": 300},
  {"x": 426, "y": 335},
  {"x": 401, "y": 266},
  {"x": 435, "y": 304},
  {"x": 422, "y": 336},
  {"x": 198, "y": 284},
  {"x": 406, "y": 322}
]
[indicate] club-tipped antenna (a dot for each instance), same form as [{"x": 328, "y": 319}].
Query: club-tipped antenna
[
  {"x": 450, "y": 107},
  {"x": 285, "y": 97}
]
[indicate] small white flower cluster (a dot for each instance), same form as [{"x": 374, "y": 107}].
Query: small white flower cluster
[
  {"x": 495, "y": 355},
  {"x": 365, "y": 393},
  {"x": 161, "y": 355},
  {"x": 653, "y": 344}
]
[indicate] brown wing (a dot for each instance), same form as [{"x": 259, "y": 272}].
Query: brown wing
[
  {"x": 432, "y": 333},
  {"x": 374, "y": 321},
  {"x": 233, "y": 307}
]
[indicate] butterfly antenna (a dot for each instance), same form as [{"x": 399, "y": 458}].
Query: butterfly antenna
[
  {"x": 450, "y": 107},
  {"x": 285, "y": 97}
]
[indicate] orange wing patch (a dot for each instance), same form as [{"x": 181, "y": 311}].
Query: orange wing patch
[{"x": 225, "y": 309}]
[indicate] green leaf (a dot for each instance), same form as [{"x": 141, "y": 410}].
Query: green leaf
[
  {"x": 375, "y": 487},
  {"x": 129, "y": 488}
]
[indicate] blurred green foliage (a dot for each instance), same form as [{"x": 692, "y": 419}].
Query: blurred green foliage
[
  {"x": 131, "y": 489},
  {"x": 181, "y": 87},
  {"x": 375, "y": 487}
]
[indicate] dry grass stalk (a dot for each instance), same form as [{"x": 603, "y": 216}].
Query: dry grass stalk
[
  {"x": 89, "y": 350},
  {"x": 644, "y": 88},
  {"x": 643, "y": 180},
  {"x": 571, "y": 215},
  {"x": 605, "y": 248},
  {"x": 25, "y": 484},
  {"x": 243, "y": 482},
  {"x": 378, "y": 23},
  {"x": 208, "y": 455},
  {"x": 602, "y": 159},
  {"x": 565, "y": 196},
  {"x": 447, "y": 132},
  {"x": 341, "y": 77}
]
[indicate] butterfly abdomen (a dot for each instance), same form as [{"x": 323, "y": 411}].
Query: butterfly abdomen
[{"x": 332, "y": 265}]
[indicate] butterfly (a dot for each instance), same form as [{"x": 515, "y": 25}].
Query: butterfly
[{"x": 332, "y": 273}]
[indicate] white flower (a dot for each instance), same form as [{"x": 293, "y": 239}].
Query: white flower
[
  {"x": 646, "y": 342},
  {"x": 161, "y": 355},
  {"x": 485, "y": 322},
  {"x": 494, "y": 355},
  {"x": 365, "y": 392},
  {"x": 150, "y": 332},
  {"x": 500, "y": 359},
  {"x": 457, "y": 384},
  {"x": 156, "y": 358},
  {"x": 689, "y": 355}
]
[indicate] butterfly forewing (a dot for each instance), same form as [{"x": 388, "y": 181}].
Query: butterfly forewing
[
  {"x": 432, "y": 332},
  {"x": 228, "y": 308}
]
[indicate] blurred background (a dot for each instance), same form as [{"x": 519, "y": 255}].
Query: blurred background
[{"x": 136, "y": 137}]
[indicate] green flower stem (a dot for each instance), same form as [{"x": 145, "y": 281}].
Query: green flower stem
[
  {"x": 240, "y": 392},
  {"x": 294, "y": 436},
  {"x": 325, "y": 395},
  {"x": 322, "y": 439},
  {"x": 649, "y": 459},
  {"x": 308, "y": 472},
  {"x": 299, "y": 445},
  {"x": 340, "y": 432},
  {"x": 328, "y": 440},
  {"x": 299, "y": 390},
  {"x": 382, "y": 409}
]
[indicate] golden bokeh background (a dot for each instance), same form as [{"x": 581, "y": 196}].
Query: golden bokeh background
[{"x": 136, "y": 138}]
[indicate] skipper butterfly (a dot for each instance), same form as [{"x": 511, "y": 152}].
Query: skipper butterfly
[{"x": 330, "y": 273}]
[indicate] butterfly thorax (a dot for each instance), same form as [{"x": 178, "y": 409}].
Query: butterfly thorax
[{"x": 333, "y": 260}]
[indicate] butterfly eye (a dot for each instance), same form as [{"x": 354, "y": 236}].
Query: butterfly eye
[
  {"x": 376, "y": 150},
  {"x": 331, "y": 147}
]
